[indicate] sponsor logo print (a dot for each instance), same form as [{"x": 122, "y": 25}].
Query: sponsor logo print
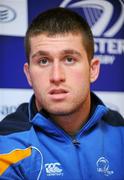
[
  {"x": 7, "y": 14},
  {"x": 13, "y": 17},
  {"x": 5, "y": 110},
  {"x": 53, "y": 169},
  {"x": 100, "y": 16},
  {"x": 103, "y": 166}
]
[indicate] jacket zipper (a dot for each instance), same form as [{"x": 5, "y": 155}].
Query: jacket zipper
[{"x": 76, "y": 145}]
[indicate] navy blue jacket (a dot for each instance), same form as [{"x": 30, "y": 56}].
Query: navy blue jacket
[{"x": 32, "y": 147}]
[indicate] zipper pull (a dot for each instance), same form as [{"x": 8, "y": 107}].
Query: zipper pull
[{"x": 75, "y": 142}]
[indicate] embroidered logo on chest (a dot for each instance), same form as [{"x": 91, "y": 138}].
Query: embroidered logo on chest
[
  {"x": 54, "y": 169},
  {"x": 103, "y": 166}
]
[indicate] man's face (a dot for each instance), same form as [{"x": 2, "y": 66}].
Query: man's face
[{"x": 59, "y": 73}]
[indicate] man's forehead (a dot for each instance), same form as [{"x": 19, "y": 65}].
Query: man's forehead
[
  {"x": 70, "y": 43},
  {"x": 65, "y": 39},
  {"x": 57, "y": 36}
]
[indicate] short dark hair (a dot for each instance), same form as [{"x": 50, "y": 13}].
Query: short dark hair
[{"x": 60, "y": 21}]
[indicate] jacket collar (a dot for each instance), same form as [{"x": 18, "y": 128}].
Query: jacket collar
[{"x": 42, "y": 121}]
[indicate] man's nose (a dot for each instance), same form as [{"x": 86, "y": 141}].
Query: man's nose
[{"x": 57, "y": 73}]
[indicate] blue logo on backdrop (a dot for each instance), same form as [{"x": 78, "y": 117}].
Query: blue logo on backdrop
[
  {"x": 7, "y": 14},
  {"x": 100, "y": 16}
]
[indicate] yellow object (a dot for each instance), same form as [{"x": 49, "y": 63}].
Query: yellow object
[{"x": 13, "y": 157}]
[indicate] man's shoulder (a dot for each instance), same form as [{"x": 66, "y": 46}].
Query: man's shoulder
[
  {"x": 16, "y": 122},
  {"x": 113, "y": 118}
]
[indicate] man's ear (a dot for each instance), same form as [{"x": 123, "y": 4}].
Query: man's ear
[
  {"x": 94, "y": 69},
  {"x": 27, "y": 73}
]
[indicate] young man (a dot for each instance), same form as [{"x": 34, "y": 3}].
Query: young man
[{"x": 65, "y": 132}]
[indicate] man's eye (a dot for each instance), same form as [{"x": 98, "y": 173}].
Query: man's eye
[
  {"x": 44, "y": 61},
  {"x": 69, "y": 60}
]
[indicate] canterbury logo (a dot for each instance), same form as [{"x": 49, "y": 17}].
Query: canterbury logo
[{"x": 53, "y": 169}]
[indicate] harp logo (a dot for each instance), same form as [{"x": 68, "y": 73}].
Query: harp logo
[
  {"x": 99, "y": 14},
  {"x": 103, "y": 166},
  {"x": 106, "y": 22}
]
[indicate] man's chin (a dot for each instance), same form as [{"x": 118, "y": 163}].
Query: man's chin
[{"x": 60, "y": 112}]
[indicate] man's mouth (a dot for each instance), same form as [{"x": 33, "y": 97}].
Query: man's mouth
[
  {"x": 58, "y": 94},
  {"x": 57, "y": 91}
]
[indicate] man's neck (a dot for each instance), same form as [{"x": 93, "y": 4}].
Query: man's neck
[{"x": 72, "y": 123}]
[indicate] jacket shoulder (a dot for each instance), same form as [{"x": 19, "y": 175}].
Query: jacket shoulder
[
  {"x": 16, "y": 122},
  {"x": 114, "y": 118}
]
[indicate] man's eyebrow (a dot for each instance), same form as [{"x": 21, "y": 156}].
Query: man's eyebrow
[
  {"x": 40, "y": 53},
  {"x": 63, "y": 52},
  {"x": 71, "y": 51}
]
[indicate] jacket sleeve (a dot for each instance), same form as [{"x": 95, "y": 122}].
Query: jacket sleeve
[
  {"x": 19, "y": 163},
  {"x": 13, "y": 163}
]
